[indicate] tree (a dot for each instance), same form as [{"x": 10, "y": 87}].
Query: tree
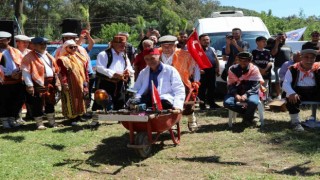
[
  {"x": 19, "y": 13},
  {"x": 108, "y": 31}
]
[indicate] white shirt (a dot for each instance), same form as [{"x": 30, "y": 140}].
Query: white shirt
[
  {"x": 117, "y": 66},
  {"x": 48, "y": 69},
  {"x": 167, "y": 60},
  {"x": 306, "y": 81},
  {"x": 170, "y": 85},
  {"x": 25, "y": 52}
]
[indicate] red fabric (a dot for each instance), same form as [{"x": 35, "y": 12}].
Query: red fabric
[
  {"x": 197, "y": 52},
  {"x": 139, "y": 64},
  {"x": 156, "y": 101},
  {"x": 315, "y": 67},
  {"x": 252, "y": 75},
  {"x": 152, "y": 51}
]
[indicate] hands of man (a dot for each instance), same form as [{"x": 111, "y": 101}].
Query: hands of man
[
  {"x": 30, "y": 90},
  {"x": 243, "y": 98},
  {"x": 228, "y": 40},
  {"x": 238, "y": 97},
  {"x": 17, "y": 74},
  {"x": 217, "y": 72},
  {"x": 126, "y": 75},
  {"x": 117, "y": 76},
  {"x": 293, "y": 98},
  {"x": 234, "y": 42},
  {"x": 177, "y": 109}
]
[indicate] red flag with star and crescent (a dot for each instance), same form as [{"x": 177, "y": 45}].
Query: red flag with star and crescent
[{"x": 196, "y": 51}]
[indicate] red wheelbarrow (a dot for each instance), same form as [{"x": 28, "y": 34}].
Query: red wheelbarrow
[{"x": 145, "y": 129}]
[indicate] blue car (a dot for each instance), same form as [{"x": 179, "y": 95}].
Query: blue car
[
  {"x": 96, "y": 49},
  {"x": 51, "y": 48}
]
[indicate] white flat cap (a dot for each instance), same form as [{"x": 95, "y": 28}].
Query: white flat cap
[
  {"x": 22, "y": 38},
  {"x": 69, "y": 34},
  {"x": 4, "y": 34},
  {"x": 168, "y": 39}
]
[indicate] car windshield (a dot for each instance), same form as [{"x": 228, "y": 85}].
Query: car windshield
[
  {"x": 51, "y": 48},
  {"x": 95, "y": 51},
  {"x": 218, "y": 40}
]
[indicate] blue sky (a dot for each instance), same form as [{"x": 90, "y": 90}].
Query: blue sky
[{"x": 280, "y": 8}]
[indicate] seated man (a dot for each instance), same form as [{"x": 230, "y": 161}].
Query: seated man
[
  {"x": 301, "y": 83},
  {"x": 166, "y": 79},
  {"x": 244, "y": 81}
]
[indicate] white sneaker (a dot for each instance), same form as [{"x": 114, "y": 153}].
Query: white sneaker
[
  {"x": 192, "y": 126},
  {"x": 42, "y": 127},
  {"x": 298, "y": 127},
  {"x": 21, "y": 121}
]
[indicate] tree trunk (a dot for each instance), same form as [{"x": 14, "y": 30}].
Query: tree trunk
[{"x": 18, "y": 13}]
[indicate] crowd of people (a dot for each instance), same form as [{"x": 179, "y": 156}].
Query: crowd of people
[{"x": 30, "y": 75}]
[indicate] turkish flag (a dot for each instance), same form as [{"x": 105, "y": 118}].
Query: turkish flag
[
  {"x": 196, "y": 51},
  {"x": 156, "y": 101}
]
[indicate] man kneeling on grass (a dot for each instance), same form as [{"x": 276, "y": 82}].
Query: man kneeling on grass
[
  {"x": 244, "y": 81},
  {"x": 301, "y": 83}
]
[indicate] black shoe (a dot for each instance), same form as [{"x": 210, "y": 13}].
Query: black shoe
[
  {"x": 203, "y": 107},
  {"x": 86, "y": 116},
  {"x": 215, "y": 106},
  {"x": 75, "y": 121}
]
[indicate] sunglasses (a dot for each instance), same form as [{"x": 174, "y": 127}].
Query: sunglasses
[
  {"x": 315, "y": 35},
  {"x": 72, "y": 47}
]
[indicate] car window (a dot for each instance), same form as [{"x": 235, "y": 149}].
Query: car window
[
  {"x": 95, "y": 51},
  {"x": 295, "y": 45},
  {"x": 52, "y": 48},
  {"x": 218, "y": 40}
]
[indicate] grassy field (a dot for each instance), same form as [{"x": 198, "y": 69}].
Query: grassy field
[{"x": 213, "y": 152}]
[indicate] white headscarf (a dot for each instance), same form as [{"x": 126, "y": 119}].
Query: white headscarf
[{"x": 66, "y": 44}]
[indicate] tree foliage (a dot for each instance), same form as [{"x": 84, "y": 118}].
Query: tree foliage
[
  {"x": 108, "y": 31},
  {"x": 43, "y": 18}
]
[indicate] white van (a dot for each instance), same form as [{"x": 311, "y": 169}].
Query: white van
[
  {"x": 220, "y": 24},
  {"x": 223, "y": 22}
]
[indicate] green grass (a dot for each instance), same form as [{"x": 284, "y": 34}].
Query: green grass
[{"x": 213, "y": 152}]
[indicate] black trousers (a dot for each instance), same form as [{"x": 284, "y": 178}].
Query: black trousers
[
  {"x": 148, "y": 101},
  {"x": 37, "y": 104},
  {"x": 305, "y": 94},
  {"x": 208, "y": 86},
  {"x": 12, "y": 97},
  {"x": 115, "y": 90}
]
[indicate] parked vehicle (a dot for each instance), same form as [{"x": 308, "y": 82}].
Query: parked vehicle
[
  {"x": 51, "y": 48},
  {"x": 96, "y": 49},
  {"x": 295, "y": 45},
  {"x": 220, "y": 24}
]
